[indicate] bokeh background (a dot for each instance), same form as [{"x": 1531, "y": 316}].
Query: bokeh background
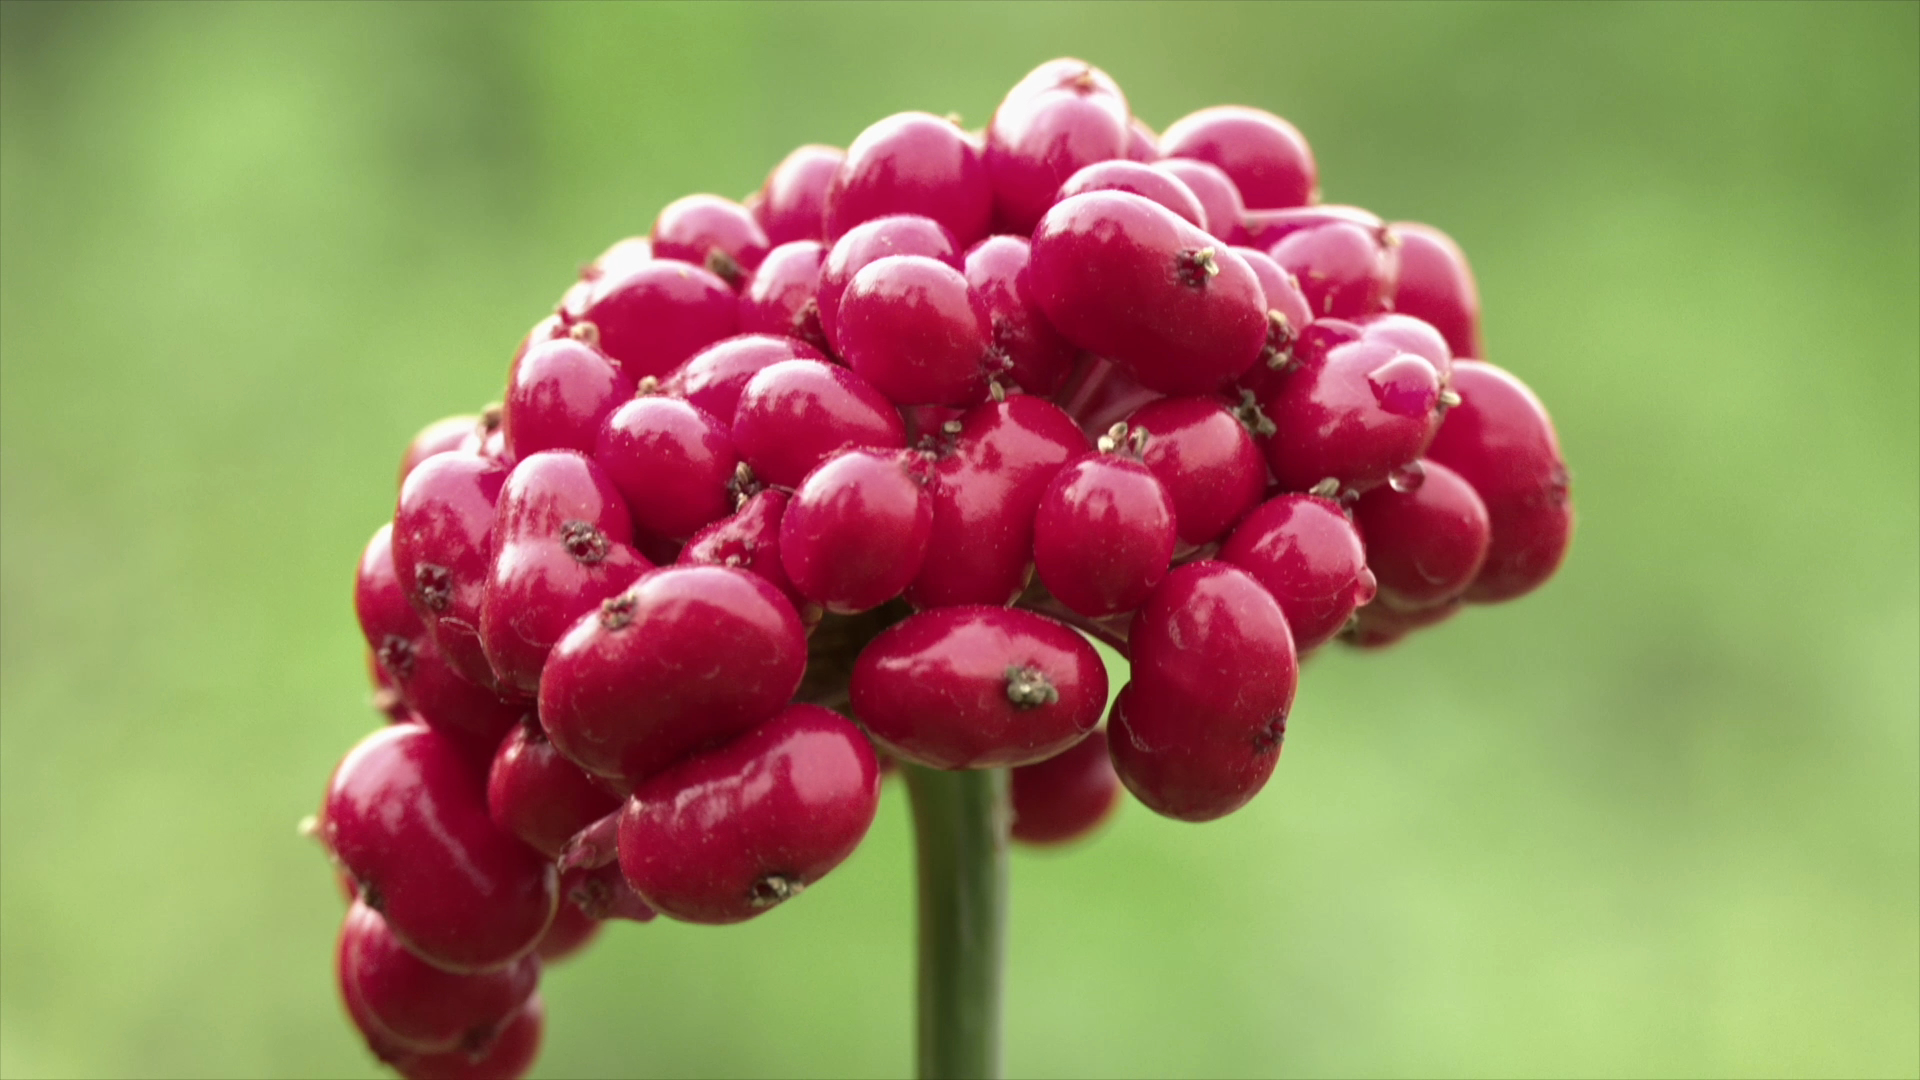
[{"x": 1662, "y": 818}]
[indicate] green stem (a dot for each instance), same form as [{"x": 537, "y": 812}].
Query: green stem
[{"x": 960, "y": 831}]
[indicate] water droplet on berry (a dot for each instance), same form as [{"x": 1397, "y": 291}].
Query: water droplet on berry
[{"x": 1407, "y": 478}]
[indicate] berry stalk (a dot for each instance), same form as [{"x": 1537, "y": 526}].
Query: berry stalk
[{"x": 960, "y": 821}]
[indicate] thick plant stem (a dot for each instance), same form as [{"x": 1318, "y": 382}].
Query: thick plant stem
[{"x": 960, "y": 824}]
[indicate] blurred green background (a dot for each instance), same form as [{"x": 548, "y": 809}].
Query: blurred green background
[{"x": 1662, "y": 818}]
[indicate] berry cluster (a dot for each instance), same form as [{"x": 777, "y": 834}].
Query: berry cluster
[{"x": 891, "y": 440}]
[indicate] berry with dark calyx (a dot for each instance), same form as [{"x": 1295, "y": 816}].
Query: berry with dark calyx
[
  {"x": 1105, "y": 529},
  {"x": 557, "y": 394},
  {"x": 910, "y": 326},
  {"x": 418, "y": 1007},
  {"x": 1197, "y": 732},
  {"x": 1221, "y": 208},
  {"x": 978, "y": 688},
  {"x": 438, "y": 437},
  {"x": 897, "y": 234},
  {"x": 1207, "y": 462},
  {"x": 653, "y": 315},
  {"x": 564, "y": 543},
  {"x": 710, "y": 231},
  {"x": 1142, "y": 144},
  {"x": 713, "y": 378},
  {"x": 912, "y": 163},
  {"x": 688, "y": 657},
  {"x": 750, "y": 540},
  {"x": 572, "y": 931},
  {"x": 1127, "y": 279},
  {"x": 730, "y": 834},
  {"x": 1348, "y": 415},
  {"x": 508, "y": 1057},
  {"x": 1377, "y": 626},
  {"x": 1310, "y": 559},
  {"x": 793, "y": 201},
  {"x": 1063, "y": 116},
  {"x": 1501, "y": 441},
  {"x": 1426, "y": 535},
  {"x": 1067, "y": 796},
  {"x": 442, "y": 543},
  {"x": 406, "y": 815},
  {"x": 1160, "y": 186},
  {"x": 988, "y": 476},
  {"x": 1288, "y": 316},
  {"x": 538, "y": 796},
  {"x": 855, "y": 534},
  {"x": 671, "y": 461},
  {"x": 1436, "y": 285},
  {"x": 603, "y": 892},
  {"x": 1345, "y": 259},
  {"x": 797, "y": 413},
  {"x": 1267, "y": 158},
  {"x": 1038, "y": 359},
  {"x": 783, "y": 296}
]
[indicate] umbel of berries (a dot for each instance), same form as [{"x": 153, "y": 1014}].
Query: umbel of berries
[{"x": 862, "y": 473}]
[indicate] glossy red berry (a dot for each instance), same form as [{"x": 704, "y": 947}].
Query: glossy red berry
[
  {"x": 442, "y": 545},
  {"x": 855, "y": 534},
  {"x": 1142, "y": 144},
  {"x": 795, "y": 414},
  {"x": 1408, "y": 334},
  {"x": 438, "y": 437},
  {"x": 1065, "y": 115},
  {"x": 912, "y": 163},
  {"x": 1221, "y": 208},
  {"x": 1207, "y": 462},
  {"x": 1310, "y": 559},
  {"x": 1197, "y": 732},
  {"x": 1501, "y": 441},
  {"x": 1348, "y": 415},
  {"x": 671, "y": 461},
  {"x": 1287, "y": 317},
  {"x": 406, "y": 815},
  {"x": 557, "y": 394},
  {"x": 1127, "y": 279},
  {"x": 1436, "y": 285},
  {"x": 1266, "y": 157},
  {"x": 1104, "y": 534},
  {"x": 750, "y": 540},
  {"x": 710, "y": 231},
  {"x": 686, "y": 658},
  {"x": 1037, "y": 358},
  {"x": 602, "y": 891},
  {"x": 415, "y": 1006},
  {"x": 563, "y": 544},
  {"x": 978, "y": 688},
  {"x": 783, "y": 297},
  {"x": 508, "y": 1057},
  {"x": 898, "y": 234},
  {"x": 730, "y": 834},
  {"x": 1160, "y": 186},
  {"x": 912, "y": 328},
  {"x": 1344, "y": 258},
  {"x": 572, "y": 931},
  {"x": 654, "y": 315},
  {"x": 1067, "y": 796},
  {"x": 538, "y": 796},
  {"x": 1426, "y": 536},
  {"x": 1377, "y": 626},
  {"x": 713, "y": 378},
  {"x": 793, "y": 201}
]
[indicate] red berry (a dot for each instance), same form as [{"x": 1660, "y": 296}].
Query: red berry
[
  {"x": 438, "y": 437},
  {"x": 653, "y": 315},
  {"x": 792, "y": 203},
  {"x": 909, "y": 325},
  {"x": 1377, "y": 626},
  {"x": 899, "y": 234},
  {"x": 1436, "y": 285},
  {"x": 1266, "y": 157},
  {"x": 1408, "y": 334},
  {"x": 1207, "y": 462},
  {"x": 1310, "y": 559},
  {"x": 1065, "y": 115},
  {"x": 730, "y": 834},
  {"x": 1142, "y": 144},
  {"x": 620, "y": 256},
  {"x": 1344, "y": 258},
  {"x": 783, "y": 298},
  {"x": 709, "y": 231},
  {"x": 1501, "y": 441},
  {"x": 1038, "y": 359},
  {"x": 406, "y": 814},
  {"x": 557, "y": 394},
  {"x": 1160, "y": 186},
  {"x": 602, "y": 892},
  {"x": 795, "y": 414},
  {"x": 672, "y": 463},
  {"x": 509, "y": 1057},
  {"x": 688, "y": 657},
  {"x": 1221, "y": 208},
  {"x": 713, "y": 378},
  {"x": 1287, "y": 316},
  {"x": 912, "y": 163},
  {"x": 978, "y": 688},
  {"x": 1126, "y": 278},
  {"x": 750, "y": 540},
  {"x": 572, "y": 931},
  {"x": 856, "y": 531},
  {"x": 1348, "y": 415},
  {"x": 1067, "y": 796},
  {"x": 415, "y": 1006},
  {"x": 1103, "y": 534},
  {"x": 563, "y": 544},
  {"x": 1426, "y": 535},
  {"x": 540, "y": 797},
  {"x": 442, "y": 540},
  {"x": 1196, "y": 734}
]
